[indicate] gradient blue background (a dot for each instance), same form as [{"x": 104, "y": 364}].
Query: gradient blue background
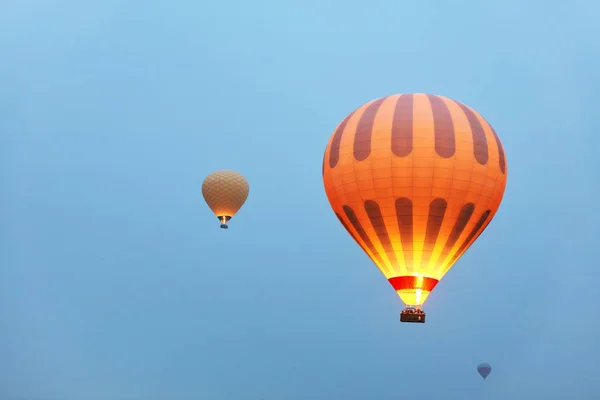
[{"x": 116, "y": 282}]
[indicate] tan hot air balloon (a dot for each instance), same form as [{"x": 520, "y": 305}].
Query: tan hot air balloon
[{"x": 225, "y": 192}]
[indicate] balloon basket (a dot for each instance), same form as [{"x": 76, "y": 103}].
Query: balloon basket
[
  {"x": 224, "y": 226},
  {"x": 412, "y": 315}
]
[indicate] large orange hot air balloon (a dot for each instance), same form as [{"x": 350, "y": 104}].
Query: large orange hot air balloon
[
  {"x": 225, "y": 193},
  {"x": 415, "y": 179}
]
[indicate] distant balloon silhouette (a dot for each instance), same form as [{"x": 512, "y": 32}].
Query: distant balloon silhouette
[
  {"x": 414, "y": 179},
  {"x": 225, "y": 193},
  {"x": 484, "y": 370}
]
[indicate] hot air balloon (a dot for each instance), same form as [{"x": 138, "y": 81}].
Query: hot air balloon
[
  {"x": 415, "y": 179},
  {"x": 484, "y": 370},
  {"x": 225, "y": 193}
]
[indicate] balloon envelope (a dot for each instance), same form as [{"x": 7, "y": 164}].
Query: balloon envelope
[
  {"x": 414, "y": 179},
  {"x": 484, "y": 369},
  {"x": 225, "y": 192}
]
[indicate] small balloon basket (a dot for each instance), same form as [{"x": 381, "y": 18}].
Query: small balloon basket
[{"x": 410, "y": 314}]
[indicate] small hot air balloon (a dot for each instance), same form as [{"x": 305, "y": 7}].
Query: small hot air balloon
[
  {"x": 225, "y": 193},
  {"x": 415, "y": 179},
  {"x": 484, "y": 370}
]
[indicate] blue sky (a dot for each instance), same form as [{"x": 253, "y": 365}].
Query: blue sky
[{"x": 116, "y": 282}]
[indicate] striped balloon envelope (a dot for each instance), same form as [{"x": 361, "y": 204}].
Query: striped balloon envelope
[{"x": 415, "y": 179}]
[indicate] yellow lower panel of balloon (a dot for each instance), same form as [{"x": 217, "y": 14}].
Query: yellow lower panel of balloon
[{"x": 413, "y": 297}]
